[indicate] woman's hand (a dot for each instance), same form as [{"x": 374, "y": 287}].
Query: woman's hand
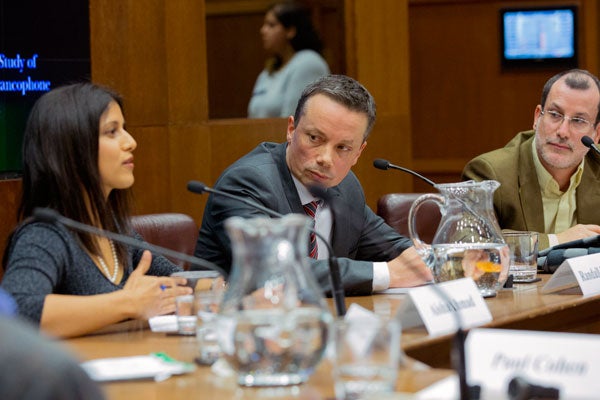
[{"x": 152, "y": 295}]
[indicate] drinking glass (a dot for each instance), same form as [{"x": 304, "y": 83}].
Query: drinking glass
[
  {"x": 367, "y": 355},
  {"x": 523, "y": 255}
]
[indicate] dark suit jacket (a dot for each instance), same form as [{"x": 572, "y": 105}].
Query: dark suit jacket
[
  {"x": 359, "y": 236},
  {"x": 518, "y": 200}
]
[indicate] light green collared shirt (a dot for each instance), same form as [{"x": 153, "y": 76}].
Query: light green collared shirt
[{"x": 559, "y": 207}]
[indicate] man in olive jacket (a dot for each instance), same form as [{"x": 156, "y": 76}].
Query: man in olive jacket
[{"x": 550, "y": 181}]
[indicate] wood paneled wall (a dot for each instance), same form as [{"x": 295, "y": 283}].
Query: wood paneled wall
[
  {"x": 236, "y": 55},
  {"x": 432, "y": 66},
  {"x": 462, "y": 102},
  {"x": 167, "y": 105},
  {"x": 377, "y": 56},
  {"x": 9, "y": 193}
]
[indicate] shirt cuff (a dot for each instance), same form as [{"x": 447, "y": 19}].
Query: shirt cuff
[
  {"x": 381, "y": 276},
  {"x": 552, "y": 240}
]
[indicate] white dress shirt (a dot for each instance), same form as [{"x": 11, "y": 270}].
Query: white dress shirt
[{"x": 323, "y": 225}]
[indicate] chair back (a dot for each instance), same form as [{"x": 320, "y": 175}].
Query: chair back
[
  {"x": 394, "y": 208},
  {"x": 174, "y": 231}
]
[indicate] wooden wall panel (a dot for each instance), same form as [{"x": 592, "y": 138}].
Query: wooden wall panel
[
  {"x": 462, "y": 103},
  {"x": 159, "y": 66},
  {"x": 385, "y": 142},
  {"x": 152, "y": 167},
  {"x": 190, "y": 158},
  {"x": 235, "y": 52},
  {"x": 209, "y": 151},
  {"x": 432, "y": 66},
  {"x": 231, "y": 139},
  {"x": 235, "y": 58},
  {"x": 128, "y": 53},
  {"x": 378, "y": 57},
  {"x": 10, "y": 190},
  {"x": 185, "y": 52}
]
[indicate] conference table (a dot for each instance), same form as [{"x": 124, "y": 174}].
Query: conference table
[
  {"x": 426, "y": 360},
  {"x": 203, "y": 382}
]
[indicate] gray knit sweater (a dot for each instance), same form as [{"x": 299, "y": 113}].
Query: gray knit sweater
[{"x": 45, "y": 258}]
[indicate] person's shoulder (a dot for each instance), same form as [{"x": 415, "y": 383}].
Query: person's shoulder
[
  {"x": 351, "y": 188},
  {"x": 40, "y": 368},
  {"x": 520, "y": 139},
  {"x": 39, "y": 236},
  {"x": 262, "y": 157},
  {"x": 42, "y": 231},
  {"x": 263, "y": 152},
  {"x": 510, "y": 151},
  {"x": 593, "y": 161},
  {"x": 308, "y": 56}
]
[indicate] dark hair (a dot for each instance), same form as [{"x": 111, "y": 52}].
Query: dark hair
[
  {"x": 292, "y": 14},
  {"x": 60, "y": 161},
  {"x": 578, "y": 79},
  {"x": 343, "y": 90}
]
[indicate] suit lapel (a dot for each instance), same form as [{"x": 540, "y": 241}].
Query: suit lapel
[
  {"x": 588, "y": 192},
  {"x": 341, "y": 223},
  {"x": 289, "y": 188},
  {"x": 529, "y": 189}
]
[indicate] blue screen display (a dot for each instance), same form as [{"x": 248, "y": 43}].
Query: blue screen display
[
  {"x": 539, "y": 34},
  {"x": 43, "y": 44}
]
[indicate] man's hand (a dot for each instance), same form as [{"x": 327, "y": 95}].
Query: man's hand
[
  {"x": 408, "y": 270},
  {"x": 578, "y": 231}
]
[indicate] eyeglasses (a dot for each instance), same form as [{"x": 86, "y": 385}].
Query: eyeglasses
[{"x": 576, "y": 124}]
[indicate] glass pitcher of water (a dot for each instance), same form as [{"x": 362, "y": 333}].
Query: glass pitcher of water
[
  {"x": 468, "y": 241},
  {"x": 274, "y": 323}
]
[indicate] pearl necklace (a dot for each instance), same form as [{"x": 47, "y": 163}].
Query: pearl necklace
[{"x": 112, "y": 277}]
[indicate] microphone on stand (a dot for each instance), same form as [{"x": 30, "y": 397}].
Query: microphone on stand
[
  {"x": 380, "y": 163},
  {"x": 201, "y": 188},
  {"x": 385, "y": 165},
  {"x": 337, "y": 288},
  {"x": 457, "y": 355},
  {"x": 53, "y": 216},
  {"x": 589, "y": 142},
  {"x": 334, "y": 268}
]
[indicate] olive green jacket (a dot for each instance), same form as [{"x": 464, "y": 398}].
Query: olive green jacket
[{"x": 518, "y": 200}]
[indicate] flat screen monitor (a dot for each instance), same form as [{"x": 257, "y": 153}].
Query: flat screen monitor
[
  {"x": 539, "y": 37},
  {"x": 43, "y": 44}
]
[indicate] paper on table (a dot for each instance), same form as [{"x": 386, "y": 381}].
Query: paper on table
[
  {"x": 444, "y": 389},
  {"x": 163, "y": 323},
  {"x": 157, "y": 366}
]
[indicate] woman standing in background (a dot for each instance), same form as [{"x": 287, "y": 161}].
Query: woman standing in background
[{"x": 290, "y": 38}]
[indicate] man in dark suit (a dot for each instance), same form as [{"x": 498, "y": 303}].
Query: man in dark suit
[
  {"x": 325, "y": 138},
  {"x": 549, "y": 181}
]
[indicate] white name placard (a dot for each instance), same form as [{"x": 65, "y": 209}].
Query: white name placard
[
  {"x": 565, "y": 361},
  {"x": 579, "y": 274},
  {"x": 442, "y": 307}
]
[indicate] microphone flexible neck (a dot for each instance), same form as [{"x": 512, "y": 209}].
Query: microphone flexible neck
[
  {"x": 337, "y": 288},
  {"x": 458, "y": 357},
  {"x": 52, "y": 216}
]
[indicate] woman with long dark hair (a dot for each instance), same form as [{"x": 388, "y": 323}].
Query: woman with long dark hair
[
  {"x": 78, "y": 160},
  {"x": 295, "y": 61}
]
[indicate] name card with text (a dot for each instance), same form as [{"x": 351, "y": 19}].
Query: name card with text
[
  {"x": 576, "y": 275},
  {"x": 565, "y": 361},
  {"x": 445, "y": 307}
]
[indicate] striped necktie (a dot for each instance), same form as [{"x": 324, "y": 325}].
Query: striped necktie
[{"x": 311, "y": 209}]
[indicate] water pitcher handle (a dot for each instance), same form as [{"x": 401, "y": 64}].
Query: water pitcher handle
[{"x": 423, "y": 249}]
